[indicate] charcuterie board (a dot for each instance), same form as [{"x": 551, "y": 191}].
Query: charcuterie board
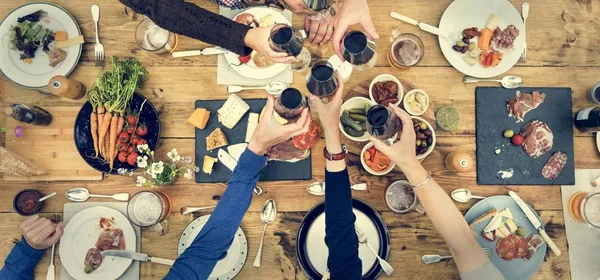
[{"x": 495, "y": 153}]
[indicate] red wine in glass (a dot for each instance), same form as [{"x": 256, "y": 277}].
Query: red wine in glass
[
  {"x": 382, "y": 123},
  {"x": 286, "y": 39},
  {"x": 359, "y": 51},
  {"x": 321, "y": 80},
  {"x": 290, "y": 104}
]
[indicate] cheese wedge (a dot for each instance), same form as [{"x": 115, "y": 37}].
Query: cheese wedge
[
  {"x": 502, "y": 231},
  {"x": 494, "y": 223},
  {"x": 207, "y": 166},
  {"x": 199, "y": 118},
  {"x": 232, "y": 111},
  {"x": 506, "y": 213},
  {"x": 252, "y": 123},
  {"x": 71, "y": 42},
  {"x": 216, "y": 139},
  {"x": 510, "y": 224}
]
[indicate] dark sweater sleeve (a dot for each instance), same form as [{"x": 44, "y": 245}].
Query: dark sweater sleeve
[
  {"x": 21, "y": 262},
  {"x": 190, "y": 20},
  {"x": 340, "y": 237},
  {"x": 213, "y": 241}
]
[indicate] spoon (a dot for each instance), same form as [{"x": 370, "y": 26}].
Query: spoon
[
  {"x": 509, "y": 82},
  {"x": 82, "y": 194},
  {"x": 46, "y": 197},
  {"x": 318, "y": 188},
  {"x": 464, "y": 195},
  {"x": 187, "y": 210},
  {"x": 274, "y": 88},
  {"x": 267, "y": 215}
]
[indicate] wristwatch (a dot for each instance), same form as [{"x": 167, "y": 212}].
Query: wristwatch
[{"x": 335, "y": 157}]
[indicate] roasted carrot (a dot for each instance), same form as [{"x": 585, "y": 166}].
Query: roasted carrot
[
  {"x": 100, "y": 112},
  {"x": 104, "y": 130},
  {"x": 120, "y": 125},
  {"x": 113, "y": 140}
]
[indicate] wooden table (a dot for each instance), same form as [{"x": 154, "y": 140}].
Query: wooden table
[{"x": 563, "y": 50}]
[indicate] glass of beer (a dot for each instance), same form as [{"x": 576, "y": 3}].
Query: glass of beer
[
  {"x": 401, "y": 199},
  {"x": 151, "y": 37},
  {"x": 407, "y": 50},
  {"x": 150, "y": 209},
  {"x": 585, "y": 208}
]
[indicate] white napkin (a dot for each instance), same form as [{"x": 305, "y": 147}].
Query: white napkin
[
  {"x": 228, "y": 76},
  {"x": 584, "y": 246}
]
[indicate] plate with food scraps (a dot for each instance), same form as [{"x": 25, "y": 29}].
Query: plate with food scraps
[
  {"x": 90, "y": 232},
  {"x": 490, "y": 50},
  {"x": 23, "y": 61},
  {"x": 85, "y": 144},
  {"x": 515, "y": 246},
  {"x": 258, "y": 67}
]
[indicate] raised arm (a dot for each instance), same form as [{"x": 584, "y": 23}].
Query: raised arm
[
  {"x": 340, "y": 237},
  {"x": 213, "y": 241},
  {"x": 444, "y": 215}
]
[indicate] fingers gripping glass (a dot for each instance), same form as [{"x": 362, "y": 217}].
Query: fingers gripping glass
[
  {"x": 359, "y": 51},
  {"x": 382, "y": 123},
  {"x": 321, "y": 79},
  {"x": 286, "y": 39}
]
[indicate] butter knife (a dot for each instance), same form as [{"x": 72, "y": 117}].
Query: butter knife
[
  {"x": 205, "y": 51},
  {"x": 136, "y": 256},
  {"x": 424, "y": 26}
]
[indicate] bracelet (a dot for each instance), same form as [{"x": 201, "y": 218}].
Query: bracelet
[{"x": 424, "y": 182}]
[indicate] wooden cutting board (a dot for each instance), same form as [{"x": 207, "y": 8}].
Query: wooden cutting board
[{"x": 51, "y": 148}]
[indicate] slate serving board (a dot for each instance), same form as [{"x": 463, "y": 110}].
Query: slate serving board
[
  {"x": 492, "y": 119},
  {"x": 274, "y": 171}
]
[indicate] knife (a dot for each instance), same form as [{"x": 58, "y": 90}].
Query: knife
[
  {"x": 227, "y": 159},
  {"x": 205, "y": 51},
  {"x": 534, "y": 221},
  {"x": 423, "y": 26},
  {"x": 136, "y": 256}
]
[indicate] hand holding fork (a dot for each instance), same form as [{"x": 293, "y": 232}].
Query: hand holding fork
[{"x": 51, "y": 269}]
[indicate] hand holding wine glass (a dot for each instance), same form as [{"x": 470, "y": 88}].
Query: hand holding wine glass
[
  {"x": 329, "y": 113},
  {"x": 352, "y": 12},
  {"x": 320, "y": 32},
  {"x": 258, "y": 39}
]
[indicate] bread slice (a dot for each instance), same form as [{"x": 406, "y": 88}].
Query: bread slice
[
  {"x": 15, "y": 165},
  {"x": 489, "y": 214}
]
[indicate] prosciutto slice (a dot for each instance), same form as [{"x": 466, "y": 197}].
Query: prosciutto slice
[
  {"x": 522, "y": 103},
  {"x": 538, "y": 138},
  {"x": 534, "y": 241},
  {"x": 286, "y": 151}
]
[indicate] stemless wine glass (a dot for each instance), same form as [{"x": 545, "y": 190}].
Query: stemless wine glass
[
  {"x": 150, "y": 209},
  {"x": 359, "y": 50},
  {"x": 284, "y": 38},
  {"x": 321, "y": 79},
  {"x": 151, "y": 37},
  {"x": 290, "y": 103},
  {"x": 382, "y": 123},
  {"x": 321, "y": 8}
]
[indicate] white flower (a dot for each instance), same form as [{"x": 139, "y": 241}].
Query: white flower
[
  {"x": 172, "y": 154},
  {"x": 142, "y": 162},
  {"x": 140, "y": 181},
  {"x": 197, "y": 169},
  {"x": 188, "y": 174},
  {"x": 142, "y": 148},
  {"x": 188, "y": 159},
  {"x": 121, "y": 171},
  {"x": 157, "y": 168}
]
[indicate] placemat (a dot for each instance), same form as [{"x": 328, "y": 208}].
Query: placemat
[
  {"x": 583, "y": 244},
  {"x": 228, "y": 76},
  {"x": 70, "y": 209}
]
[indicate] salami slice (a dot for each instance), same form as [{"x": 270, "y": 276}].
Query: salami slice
[
  {"x": 507, "y": 247},
  {"x": 554, "y": 165},
  {"x": 93, "y": 259},
  {"x": 522, "y": 247},
  {"x": 307, "y": 140}
]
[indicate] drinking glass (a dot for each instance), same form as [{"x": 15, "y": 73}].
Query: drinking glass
[
  {"x": 150, "y": 209},
  {"x": 585, "y": 207},
  {"x": 359, "y": 50},
  {"x": 321, "y": 79},
  {"x": 400, "y": 198},
  {"x": 382, "y": 123},
  {"x": 290, "y": 103},
  {"x": 151, "y": 37},
  {"x": 321, "y": 7},
  {"x": 407, "y": 50},
  {"x": 286, "y": 39}
]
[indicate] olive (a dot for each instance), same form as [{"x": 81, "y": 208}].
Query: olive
[
  {"x": 429, "y": 140},
  {"x": 417, "y": 129},
  {"x": 424, "y": 144},
  {"x": 421, "y": 150},
  {"x": 427, "y": 132},
  {"x": 508, "y": 133},
  {"x": 464, "y": 49},
  {"x": 472, "y": 46},
  {"x": 422, "y": 125},
  {"x": 419, "y": 141},
  {"x": 466, "y": 40},
  {"x": 421, "y": 136},
  {"x": 456, "y": 48},
  {"x": 460, "y": 44},
  {"x": 521, "y": 231}
]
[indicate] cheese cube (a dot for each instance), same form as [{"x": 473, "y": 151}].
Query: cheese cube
[
  {"x": 199, "y": 118},
  {"x": 252, "y": 122},
  {"x": 207, "y": 166}
]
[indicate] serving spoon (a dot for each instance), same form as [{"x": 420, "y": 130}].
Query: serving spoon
[
  {"x": 464, "y": 195},
  {"x": 82, "y": 194},
  {"x": 509, "y": 82},
  {"x": 267, "y": 215}
]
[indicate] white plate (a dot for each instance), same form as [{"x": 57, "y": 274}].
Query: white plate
[
  {"x": 38, "y": 73},
  {"x": 249, "y": 70},
  {"x": 81, "y": 234},
  {"x": 462, "y": 14},
  {"x": 316, "y": 240},
  {"x": 598, "y": 141},
  {"x": 228, "y": 267}
]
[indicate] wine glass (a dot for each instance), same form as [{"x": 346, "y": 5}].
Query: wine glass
[
  {"x": 321, "y": 79},
  {"x": 359, "y": 50},
  {"x": 321, "y": 9},
  {"x": 290, "y": 103},
  {"x": 382, "y": 123},
  {"x": 286, "y": 39}
]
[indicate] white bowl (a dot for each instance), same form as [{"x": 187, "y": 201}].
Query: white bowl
[
  {"x": 434, "y": 138},
  {"x": 385, "y": 78},
  {"x": 364, "y": 164},
  {"x": 413, "y": 92},
  {"x": 355, "y": 102}
]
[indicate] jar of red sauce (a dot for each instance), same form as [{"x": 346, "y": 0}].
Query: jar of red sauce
[{"x": 27, "y": 203}]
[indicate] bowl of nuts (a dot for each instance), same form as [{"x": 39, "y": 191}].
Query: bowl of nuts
[
  {"x": 425, "y": 137},
  {"x": 386, "y": 89}
]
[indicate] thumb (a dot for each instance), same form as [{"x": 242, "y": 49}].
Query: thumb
[
  {"x": 269, "y": 106},
  {"x": 370, "y": 29},
  {"x": 317, "y": 103}
]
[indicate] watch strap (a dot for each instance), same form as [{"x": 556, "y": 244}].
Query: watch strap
[{"x": 335, "y": 157}]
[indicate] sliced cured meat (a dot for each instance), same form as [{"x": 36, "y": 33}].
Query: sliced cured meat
[
  {"x": 534, "y": 242},
  {"x": 538, "y": 138},
  {"x": 307, "y": 140},
  {"x": 93, "y": 260},
  {"x": 522, "y": 103},
  {"x": 504, "y": 39},
  {"x": 286, "y": 151},
  {"x": 111, "y": 240},
  {"x": 507, "y": 247},
  {"x": 554, "y": 165},
  {"x": 106, "y": 223},
  {"x": 522, "y": 247}
]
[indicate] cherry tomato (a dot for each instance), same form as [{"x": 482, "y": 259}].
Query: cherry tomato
[
  {"x": 124, "y": 137},
  {"x": 132, "y": 119},
  {"x": 142, "y": 129},
  {"x": 142, "y": 142},
  {"x": 134, "y": 139},
  {"x": 130, "y": 129},
  {"x": 122, "y": 147},
  {"x": 122, "y": 157},
  {"x": 130, "y": 150},
  {"x": 245, "y": 59},
  {"x": 517, "y": 140},
  {"x": 132, "y": 158}
]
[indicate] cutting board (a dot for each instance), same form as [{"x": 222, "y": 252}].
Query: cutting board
[
  {"x": 492, "y": 119},
  {"x": 273, "y": 171},
  {"x": 51, "y": 148}
]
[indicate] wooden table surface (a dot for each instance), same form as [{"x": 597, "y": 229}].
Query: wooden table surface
[{"x": 563, "y": 50}]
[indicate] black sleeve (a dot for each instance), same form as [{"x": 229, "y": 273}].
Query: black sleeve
[
  {"x": 190, "y": 20},
  {"x": 343, "y": 261}
]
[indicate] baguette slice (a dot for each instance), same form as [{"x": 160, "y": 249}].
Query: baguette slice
[
  {"x": 14, "y": 165},
  {"x": 489, "y": 214}
]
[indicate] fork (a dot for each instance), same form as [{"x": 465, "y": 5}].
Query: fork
[
  {"x": 51, "y": 270},
  {"x": 362, "y": 238},
  {"x": 98, "y": 48},
  {"x": 429, "y": 259}
]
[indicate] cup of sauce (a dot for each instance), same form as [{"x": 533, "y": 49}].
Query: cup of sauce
[{"x": 27, "y": 203}]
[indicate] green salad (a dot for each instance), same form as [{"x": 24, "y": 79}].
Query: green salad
[{"x": 28, "y": 35}]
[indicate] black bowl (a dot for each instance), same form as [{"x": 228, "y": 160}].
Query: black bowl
[
  {"x": 37, "y": 207},
  {"x": 85, "y": 144}
]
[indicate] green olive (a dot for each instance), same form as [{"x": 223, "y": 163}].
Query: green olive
[
  {"x": 419, "y": 141},
  {"x": 422, "y": 125},
  {"x": 472, "y": 46},
  {"x": 460, "y": 44},
  {"x": 521, "y": 231},
  {"x": 424, "y": 144},
  {"x": 508, "y": 133}
]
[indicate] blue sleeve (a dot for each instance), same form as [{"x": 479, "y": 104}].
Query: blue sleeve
[
  {"x": 21, "y": 261},
  {"x": 340, "y": 237},
  {"x": 213, "y": 241}
]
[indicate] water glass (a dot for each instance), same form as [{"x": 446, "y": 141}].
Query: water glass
[
  {"x": 382, "y": 123},
  {"x": 359, "y": 50},
  {"x": 151, "y": 37},
  {"x": 286, "y": 39},
  {"x": 150, "y": 209},
  {"x": 321, "y": 79}
]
